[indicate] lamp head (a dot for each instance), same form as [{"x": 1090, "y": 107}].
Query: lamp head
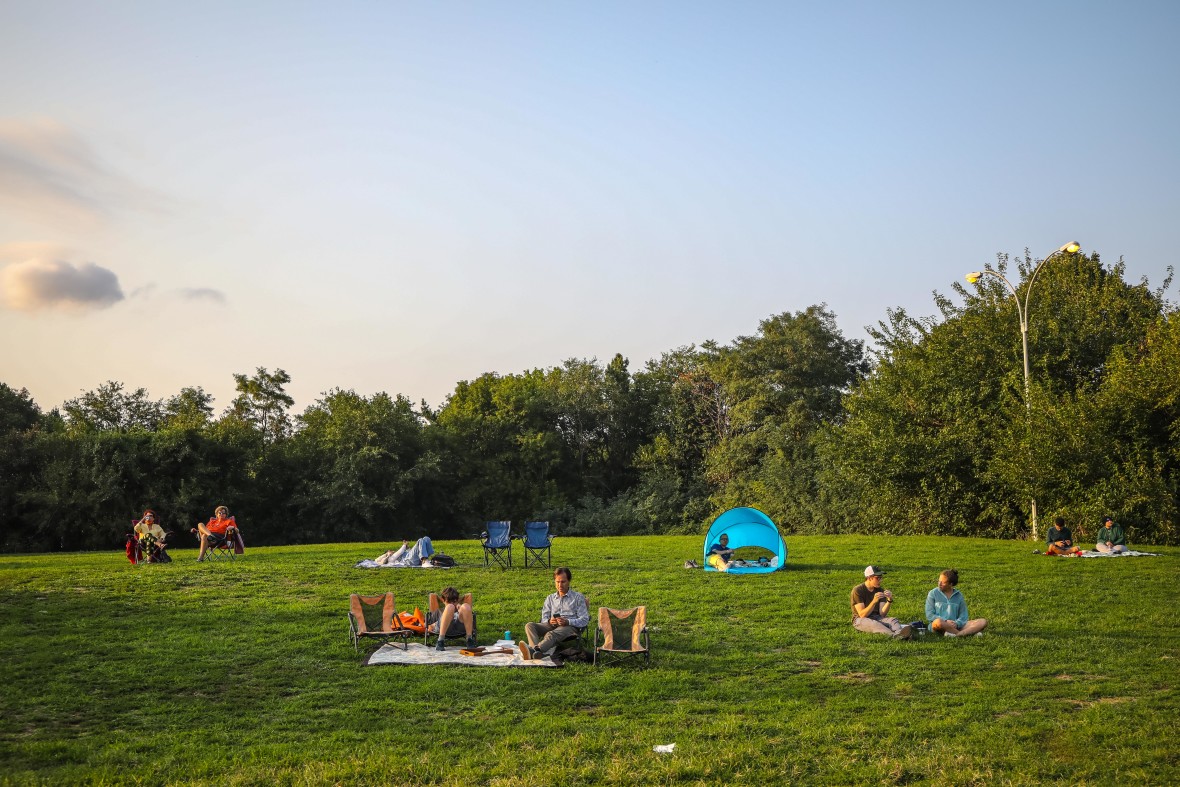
[
  {"x": 1070, "y": 247},
  {"x": 974, "y": 276}
]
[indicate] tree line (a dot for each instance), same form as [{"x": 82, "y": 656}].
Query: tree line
[{"x": 925, "y": 431}]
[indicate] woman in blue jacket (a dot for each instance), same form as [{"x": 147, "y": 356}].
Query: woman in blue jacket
[{"x": 946, "y": 609}]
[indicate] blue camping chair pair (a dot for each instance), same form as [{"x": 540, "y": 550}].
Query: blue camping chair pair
[{"x": 497, "y": 538}]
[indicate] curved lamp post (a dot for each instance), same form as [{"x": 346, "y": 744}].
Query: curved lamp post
[{"x": 1022, "y": 312}]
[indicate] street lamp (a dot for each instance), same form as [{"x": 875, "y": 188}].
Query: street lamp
[{"x": 1022, "y": 312}]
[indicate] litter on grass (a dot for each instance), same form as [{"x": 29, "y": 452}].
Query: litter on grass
[{"x": 664, "y": 748}]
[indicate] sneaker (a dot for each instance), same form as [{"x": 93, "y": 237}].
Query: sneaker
[
  {"x": 440, "y": 645},
  {"x": 1036, "y": 551},
  {"x": 977, "y": 634},
  {"x": 471, "y": 642},
  {"x": 526, "y": 652},
  {"x": 905, "y": 633},
  {"x": 949, "y": 634}
]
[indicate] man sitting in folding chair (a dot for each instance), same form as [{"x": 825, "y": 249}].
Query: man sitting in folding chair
[
  {"x": 624, "y": 635},
  {"x": 497, "y": 543},
  {"x": 219, "y": 536},
  {"x": 452, "y": 615},
  {"x": 537, "y": 544},
  {"x": 564, "y": 616}
]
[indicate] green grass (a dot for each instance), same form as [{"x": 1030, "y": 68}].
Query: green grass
[{"x": 243, "y": 673}]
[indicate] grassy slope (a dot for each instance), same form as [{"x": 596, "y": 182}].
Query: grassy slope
[{"x": 243, "y": 673}]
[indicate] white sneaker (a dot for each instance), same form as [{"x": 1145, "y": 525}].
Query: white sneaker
[
  {"x": 948, "y": 634},
  {"x": 978, "y": 634}
]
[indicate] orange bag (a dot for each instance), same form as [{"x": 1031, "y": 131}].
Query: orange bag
[{"x": 414, "y": 621}]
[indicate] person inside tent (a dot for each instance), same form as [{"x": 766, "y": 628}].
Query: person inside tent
[{"x": 720, "y": 554}]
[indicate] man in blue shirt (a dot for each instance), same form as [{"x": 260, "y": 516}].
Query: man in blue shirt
[{"x": 563, "y": 617}]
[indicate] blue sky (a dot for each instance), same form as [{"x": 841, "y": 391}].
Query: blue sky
[{"x": 396, "y": 196}]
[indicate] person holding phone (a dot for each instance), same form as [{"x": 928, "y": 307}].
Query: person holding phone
[
  {"x": 1059, "y": 540},
  {"x": 564, "y": 616},
  {"x": 870, "y": 607}
]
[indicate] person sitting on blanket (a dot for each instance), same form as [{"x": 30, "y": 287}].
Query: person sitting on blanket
[
  {"x": 407, "y": 556},
  {"x": 456, "y": 617},
  {"x": 219, "y": 528},
  {"x": 946, "y": 609},
  {"x": 564, "y": 616},
  {"x": 870, "y": 603},
  {"x": 720, "y": 555},
  {"x": 1111, "y": 538},
  {"x": 1059, "y": 540},
  {"x": 151, "y": 538}
]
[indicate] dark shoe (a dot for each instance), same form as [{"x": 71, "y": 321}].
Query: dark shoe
[
  {"x": 471, "y": 642},
  {"x": 439, "y": 646}
]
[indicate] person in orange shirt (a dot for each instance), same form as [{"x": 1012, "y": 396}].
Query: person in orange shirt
[{"x": 218, "y": 528}]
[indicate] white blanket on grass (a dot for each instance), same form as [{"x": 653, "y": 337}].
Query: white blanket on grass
[
  {"x": 1129, "y": 553},
  {"x": 417, "y": 653},
  {"x": 375, "y": 564}
]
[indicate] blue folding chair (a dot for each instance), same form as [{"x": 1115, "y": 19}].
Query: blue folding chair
[
  {"x": 537, "y": 544},
  {"x": 497, "y": 543}
]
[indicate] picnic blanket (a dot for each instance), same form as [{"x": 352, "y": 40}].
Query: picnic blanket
[
  {"x": 375, "y": 564},
  {"x": 1128, "y": 553},
  {"x": 417, "y": 653}
]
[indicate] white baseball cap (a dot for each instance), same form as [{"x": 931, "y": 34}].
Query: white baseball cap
[{"x": 873, "y": 571}]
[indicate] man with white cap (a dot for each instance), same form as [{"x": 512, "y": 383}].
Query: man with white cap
[{"x": 870, "y": 604}]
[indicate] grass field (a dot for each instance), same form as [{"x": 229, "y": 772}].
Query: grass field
[{"x": 243, "y": 673}]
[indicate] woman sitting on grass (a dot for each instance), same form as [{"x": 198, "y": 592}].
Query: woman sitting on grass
[
  {"x": 455, "y": 619},
  {"x": 1111, "y": 537},
  {"x": 946, "y": 609}
]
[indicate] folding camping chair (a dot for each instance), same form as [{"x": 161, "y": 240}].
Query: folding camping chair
[
  {"x": 538, "y": 544},
  {"x": 224, "y": 546},
  {"x": 497, "y": 543},
  {"x": 389, "y": 628},
  {"x": 435, "y": 612},
  {"x": 620, "y": 641}
]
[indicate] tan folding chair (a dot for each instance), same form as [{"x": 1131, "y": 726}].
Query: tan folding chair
[
  {"x": 624, "y": 633},
  {"x": 390, "y": 627}
]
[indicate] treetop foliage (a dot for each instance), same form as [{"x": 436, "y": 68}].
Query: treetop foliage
[{"x": 928, "y": 430}]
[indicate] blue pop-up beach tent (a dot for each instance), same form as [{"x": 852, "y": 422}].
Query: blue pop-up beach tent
[{"x": 747, "y": 527}]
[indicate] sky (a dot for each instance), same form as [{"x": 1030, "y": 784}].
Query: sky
[{"x": 395, "y": 196}]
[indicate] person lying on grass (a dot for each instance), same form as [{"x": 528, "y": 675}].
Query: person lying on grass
[
  {"x": 1111, "y": 537},
  {"x": 564, "y": 616},
  {"x": 455, "y": 619},
  {"x": 720, "y": 554},
  {"x": 1059, "y": 540},
  {"x": 219, "y": 528},
  {"x": 870, "y": 605},
  {"x": 407, "y": 556},
  {"x": 946, "y": 609}
]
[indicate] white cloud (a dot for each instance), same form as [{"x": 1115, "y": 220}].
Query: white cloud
[{"x": 38, "y": 285}]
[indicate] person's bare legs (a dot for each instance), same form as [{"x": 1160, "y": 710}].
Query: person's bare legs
[
  {"x": 467, "y": 618},
  {"x": 949, "y": 627},
  {"x": 204, "y": 535}
]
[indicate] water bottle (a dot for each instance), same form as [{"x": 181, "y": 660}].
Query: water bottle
[{"x": 507, "y": 636}]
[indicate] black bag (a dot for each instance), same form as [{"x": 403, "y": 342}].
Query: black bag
[{"x": 444, "y": 561}]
